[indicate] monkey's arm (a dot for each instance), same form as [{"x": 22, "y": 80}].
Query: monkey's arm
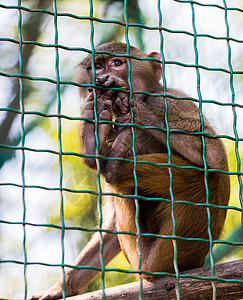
[
  {"x": 108, "y": 103},
  {"x": 182, "y": 115},
  {"x": 77, "y": 279},
  {"x": 104, "y": 106}
]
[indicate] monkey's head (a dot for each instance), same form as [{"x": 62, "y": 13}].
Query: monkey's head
[{"x": 145, "y": 73}]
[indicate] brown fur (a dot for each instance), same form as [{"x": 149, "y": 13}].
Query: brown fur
[
  {"x": 191, "y": 220},
  {"x": 188, "y": 184}
]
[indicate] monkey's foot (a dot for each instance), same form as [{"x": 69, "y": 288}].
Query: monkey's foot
[
  {"x": 113, "y": 166},
  {"x": 119, "y": 149},
  {"x": 123, "y": 142},
  {"x": 56, "y": 292},
  {"x": 51, "y": 294}
]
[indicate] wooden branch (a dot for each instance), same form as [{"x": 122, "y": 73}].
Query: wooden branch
[{"x": 190, "y": 288}]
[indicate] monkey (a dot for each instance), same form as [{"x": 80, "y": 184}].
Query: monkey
[{"x": 190, "y": 166}]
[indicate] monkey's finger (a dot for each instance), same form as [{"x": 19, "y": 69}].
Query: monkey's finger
[
  {"x": 132, "y": 103},
  {"x": 118, "y": 104},
  {"x": 115, "y": 108},
  {"x": 108, "y": 105},
  {"x": 89, "y": 105},
  {"x": 105, "y": 115},
  {"x": 110, "y": 80},
  {"x": 89, "y": 143},
  {"x": 135, "y": 110},
  {"x": 124, "y": 119},
  {"x": 103, "y": 131},
  {"x": 97, "y": 92},
  {"x": 90, "y": 97},
  {"x": 119, "y": 149},
  {"x": 106, "y": 95},
  {"x": 120, "y": 108},
  {"x": 101, "y": 79},
  {"x": 100, "y": 107},
  {"x": 89, "y": 114},
  {"x": 122, "y": 96},
  {"x": 125, "y": 102}
]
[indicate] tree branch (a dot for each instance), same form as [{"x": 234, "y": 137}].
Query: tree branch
[
  {"x": 31, "y": 31},
  {"x": 190, "y": 288}
]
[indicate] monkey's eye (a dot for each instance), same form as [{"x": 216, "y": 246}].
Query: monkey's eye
[
  {"x": 117, "y": 62},
  {"x": 98, "y": 66}
]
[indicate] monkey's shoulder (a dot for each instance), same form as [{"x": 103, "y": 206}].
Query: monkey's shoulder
[
  {"x": 176, "y": 93},
  {"x": 179, "y": 103}
]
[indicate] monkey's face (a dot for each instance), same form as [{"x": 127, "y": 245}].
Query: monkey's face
[
  {"x": 116, "y": 66},
  {"x": 112, "y": 70}
]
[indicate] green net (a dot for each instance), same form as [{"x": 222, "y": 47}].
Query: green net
[{"x": 38, "y": 137}]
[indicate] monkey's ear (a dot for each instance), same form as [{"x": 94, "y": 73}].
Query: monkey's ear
[{"x": 156, "y": 65}]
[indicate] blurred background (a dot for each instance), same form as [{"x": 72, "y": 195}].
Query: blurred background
[{"x": 37, "y": 168}]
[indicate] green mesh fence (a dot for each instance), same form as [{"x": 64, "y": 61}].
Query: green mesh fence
[{"x": 132, "y": 19}]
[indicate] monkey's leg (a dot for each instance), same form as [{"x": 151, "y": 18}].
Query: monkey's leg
[
  {"x": 126, "y": 218},
  {"x": 123, "y": 137},
  {"x": 162, "y": 253},
  {"x": 119, "y": 149},
  {"x": 152, "y": 260},
  {"x": 77, "y": 279},
  {"x": 191, "y": 221}
]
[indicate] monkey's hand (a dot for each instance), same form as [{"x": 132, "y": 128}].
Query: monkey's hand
[
  {"x": 111, "y": 81},
  {"x": 121, "y": 105},
  {"x": 104, "y": 112},
  {"x": 120, "y": 101},
  {"x": 108, "y": 81}
]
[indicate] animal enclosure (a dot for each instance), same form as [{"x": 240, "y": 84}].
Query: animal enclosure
[{"x": 51, "y": 203}]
